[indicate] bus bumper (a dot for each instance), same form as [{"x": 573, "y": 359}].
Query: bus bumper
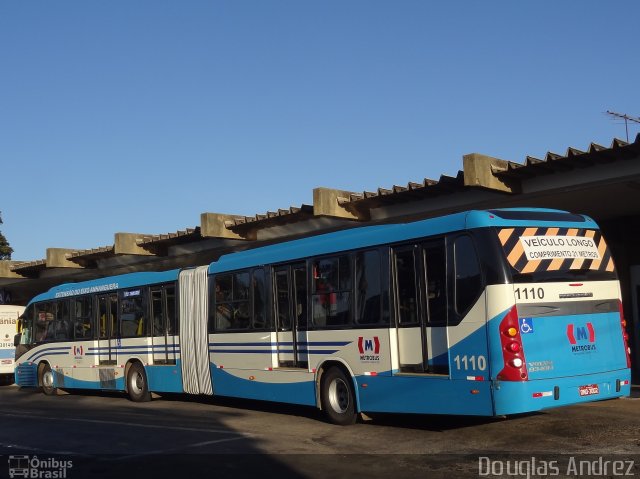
[
  {"x": 27, "y": 375},
  {"x": 527, "y": 396}
]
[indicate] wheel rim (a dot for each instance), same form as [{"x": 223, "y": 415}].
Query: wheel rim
[
  {"x": 137, "y": 383},
  {"x": 339, "y": 396},
  {"x": 47, "y": 379}
]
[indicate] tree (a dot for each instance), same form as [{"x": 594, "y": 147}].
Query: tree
[{"x": 5, "y": 249}]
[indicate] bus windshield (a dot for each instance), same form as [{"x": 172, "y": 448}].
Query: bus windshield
[{"x": 556, "y": 254}]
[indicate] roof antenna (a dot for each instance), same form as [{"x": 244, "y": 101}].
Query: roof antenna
[{"x": 626, "y": 118}]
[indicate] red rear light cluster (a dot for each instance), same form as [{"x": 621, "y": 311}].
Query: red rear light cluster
[
  {"x": 625, "y": 336},
  {"x": 515, "y": 365}
]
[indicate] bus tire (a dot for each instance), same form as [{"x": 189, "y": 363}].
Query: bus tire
[
  {"x": 338, "y": 399},
  {"x": 45, "y": 379},
  {"x": 137, "y": 385}
]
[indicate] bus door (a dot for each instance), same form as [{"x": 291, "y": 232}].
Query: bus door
[
  {"x": 420, "y": 290},
  {"x": 163, "y": 314},
  {"x": 108, "y": 336},
  {"x": 290, "y": 284}
]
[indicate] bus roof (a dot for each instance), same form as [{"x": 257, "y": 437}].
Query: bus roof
[
  {"x": 109, "y": 283},
  {"x": 354, "y": 238},
  {"x": 368, "y": 236}
]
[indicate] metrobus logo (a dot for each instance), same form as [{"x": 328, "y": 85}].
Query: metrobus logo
[
  {"x": 78, "y": 351},
  {"x": 369, "y": 348},
  {"x": 582, "y": 338}
]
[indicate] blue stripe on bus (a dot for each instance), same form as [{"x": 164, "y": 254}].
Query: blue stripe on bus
[
  {"x": 273, "y": 351},
  {"x": 101, "y": 348},
  {"x": 7, "y": 353},
  {"x": 40, "y": 351},
  {"x": 48, "y": 354},
  {"x": 286, "y": 343}
]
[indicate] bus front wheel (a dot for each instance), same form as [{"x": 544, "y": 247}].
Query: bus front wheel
[
  {"x": 45, "y": 378},
  {"x": 338, "y": 400},
  {"x": 137, "y": 385}
]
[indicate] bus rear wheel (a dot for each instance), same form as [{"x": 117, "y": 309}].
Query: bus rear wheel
[
  {"x": 338, "y": 399},
  {"x": 45, "y": 379},
  {"x": 137, "y": 385}
]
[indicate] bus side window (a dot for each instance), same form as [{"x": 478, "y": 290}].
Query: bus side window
[
  {"x": 172, "y": 327},
  {"x": 260, "y": 319},
  {"x": 44, "y": 318},
  {"x": 62, "y": 323},
  {"x": 27, "y": 325},
  {"x": 368, "y": 287},
  {"x": 435, "y": 259},
  {"x": 406, "y": 285},
  {"x": 468, "y": 277},
  {"x": 331, "y": 291},
  {"x": 82, "y": 318},
  {"x": 232, "y": 301},
  {"x": 133, "y": 307}
]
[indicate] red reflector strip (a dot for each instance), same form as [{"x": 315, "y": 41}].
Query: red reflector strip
[
  {"x": 543, "y": 394},
  {"x": 475, "y": 378},
  {"x": 576, "y": 284},
  {"x": 221, "y": 367},
  {"x": 370, "y": 373},
  {"x": 268, "y": 369},
  {"x": 624, "y": 383}
]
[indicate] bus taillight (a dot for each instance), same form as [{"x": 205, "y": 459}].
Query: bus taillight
[
  {"x": 625, "y": 336},
  {"x": 515, "y": 368}
]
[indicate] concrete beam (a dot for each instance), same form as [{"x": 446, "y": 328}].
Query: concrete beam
[
  {"x": 325, "y": 203},
  {"x": 125, "y": 243},
  {"x": 479, "y": 169},
  {"x": 214, "y": 225},
  {"x": 5, "y": 269},
  {"x": 57, "y": 258}
]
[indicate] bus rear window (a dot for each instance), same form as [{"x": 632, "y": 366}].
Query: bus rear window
[{"x": 554, "y": 253}]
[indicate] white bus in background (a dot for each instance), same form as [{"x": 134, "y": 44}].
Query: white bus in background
[{"x": 8, "y": 318}]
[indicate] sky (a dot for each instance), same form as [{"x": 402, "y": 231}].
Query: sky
[{"x": 138, "y": 116}]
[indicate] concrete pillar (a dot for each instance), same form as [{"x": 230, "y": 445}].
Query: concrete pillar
[
  {"x": 125, "y": 243},
  {"x": 5, "y": 269},
  {"x": 325, "y": 203},
  {"x": 214, "y": 225},
  {"x": 479, "y": 169},
  {"x": 57, "y": 258}
]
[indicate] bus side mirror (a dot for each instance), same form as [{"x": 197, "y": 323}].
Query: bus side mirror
[{"x": 16, "y": 339}]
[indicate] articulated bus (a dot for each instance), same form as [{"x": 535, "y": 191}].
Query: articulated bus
[
  {"x": 9, "y": 315},
  {"x": 487, "y": 313}
]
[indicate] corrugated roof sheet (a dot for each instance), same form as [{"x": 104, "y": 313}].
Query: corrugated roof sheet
[
  {"x": 428, "y": 187},
  {"x": 189, "y": 234},
  {"x": 29, "y": 268},
  {"x": 572, "y": 159},
  {"x": 281, "y": 216},
  {"x": 91, "y": 253}
]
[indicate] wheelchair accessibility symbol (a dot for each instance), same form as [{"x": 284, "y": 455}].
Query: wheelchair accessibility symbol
[{"x": 526, "y": 325}]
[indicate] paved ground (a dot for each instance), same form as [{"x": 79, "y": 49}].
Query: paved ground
[{"x": 106, "y": 435}]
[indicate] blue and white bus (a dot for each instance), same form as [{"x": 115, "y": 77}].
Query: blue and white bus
[
  {"x": 478, "y": 313},
  {"x": 9, "y": 315}
]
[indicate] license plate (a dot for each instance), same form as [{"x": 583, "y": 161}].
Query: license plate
[{"x": 589, "y": 389}]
